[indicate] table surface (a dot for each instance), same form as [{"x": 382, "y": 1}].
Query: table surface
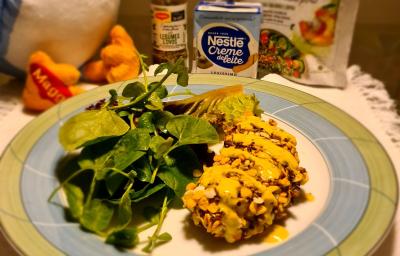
[{"x": 349, "y": 100}]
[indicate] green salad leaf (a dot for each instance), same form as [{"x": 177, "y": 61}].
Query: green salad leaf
[
  {"x": 180, "y": 173},
  {"x": 237, "y": 105},
  {"x": 154, "y": 102},
  {"x": 161, "y": 91},
  {"x": 126, "y": 238},
  {"x": 154, "y": 120},
  {"x": 192, "y": 130},
  {"x": 147, "y": 191},
  {"x": 129, "y": 148},
  {"x": 146, "y": 121},
  {"x": 183, "y": 76},
  {"x": 160, "y": 146},
  {"x": 97, "y": 215},
  {"x": 124, "y": 212},
  {"x": 143, "y": 168},
  {"x": 161, "y": 118},
  {"x": 113, "y": 182},
  {"x": 75, "y": 199},
  {"x": 90, "y": 127},
  {"x": 132, "y": 146},
  {"x": 133, "y": 90},
  {"x": 164, "y": 237},
  {"x": 94, "y": 157}
]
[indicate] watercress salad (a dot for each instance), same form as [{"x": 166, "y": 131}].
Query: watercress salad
[{"x": 131, "y": 149}]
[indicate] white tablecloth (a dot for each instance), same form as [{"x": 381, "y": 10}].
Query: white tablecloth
[{"x": 364, "y": 98}]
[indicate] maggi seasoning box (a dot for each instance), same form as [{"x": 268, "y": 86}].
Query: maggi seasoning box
[{"x": 226, "y": 38}]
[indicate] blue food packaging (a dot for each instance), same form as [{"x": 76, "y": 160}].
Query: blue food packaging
[{"x": 226, "y": 38}]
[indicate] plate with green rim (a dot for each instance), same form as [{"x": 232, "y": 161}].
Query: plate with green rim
[{"x": 351, "y": 177}]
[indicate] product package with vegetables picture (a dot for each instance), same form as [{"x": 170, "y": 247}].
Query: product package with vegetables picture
[{"x": 307, "y": 41}]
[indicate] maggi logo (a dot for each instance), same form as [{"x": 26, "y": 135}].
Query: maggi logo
[{"x": 49, "y": 86}]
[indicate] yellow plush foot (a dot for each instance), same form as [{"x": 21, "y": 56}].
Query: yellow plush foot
[
  {"x": 119, "y": 60},
  {"x": 48, "y": 83}
]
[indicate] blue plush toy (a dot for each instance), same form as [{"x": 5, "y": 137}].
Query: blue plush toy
[{"x": 69, "y": 31}]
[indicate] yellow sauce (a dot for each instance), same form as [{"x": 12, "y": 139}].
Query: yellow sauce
[
  {"x": 275, "y": 234},
  {"x": 268, "y": 169},
  {"x": 280, "y": 154},
  {"x": 228, "y": 188},
  {"x": 232, "y": 223},
  {"x": 217, "y": 175},
  {"x": 251, "y": 122},
  {"x": 309, "y": 197}
]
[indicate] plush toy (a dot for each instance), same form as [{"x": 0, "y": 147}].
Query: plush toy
[
  {"x": 119, "y": 60},
  {"x": 69, "y": 31},
  {"x": 48, "y": 83}
]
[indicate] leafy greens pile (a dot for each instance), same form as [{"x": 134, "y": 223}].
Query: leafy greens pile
[{"x": 133, "y": 148}]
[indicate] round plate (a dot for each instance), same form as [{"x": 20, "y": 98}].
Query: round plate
[{"x": 351, "y": 178}]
